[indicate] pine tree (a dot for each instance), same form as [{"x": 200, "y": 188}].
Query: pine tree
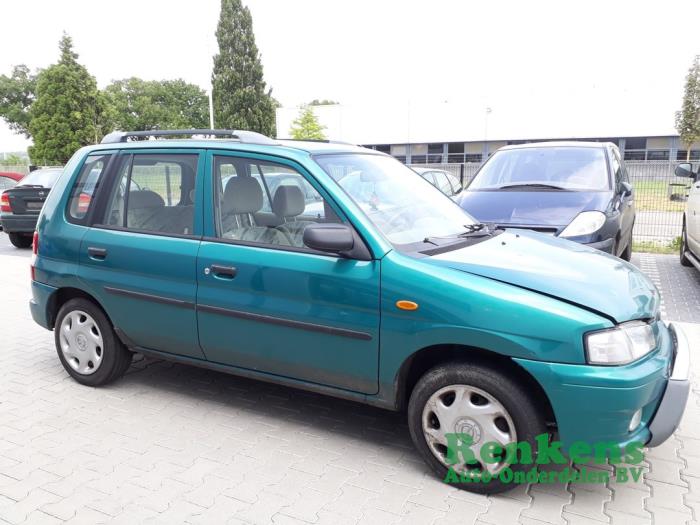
[
  {"x": 688, "y": 118},
  {"x": 239, "y": 91},
  {"x": 307, "y": 126},
  {"x": 67, "y": 112}
]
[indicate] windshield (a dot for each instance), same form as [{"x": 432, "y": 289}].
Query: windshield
[
  {"x": 568, "y": 168},
  {"x": 43, "y": 178},
  {"x": 402, "y": 205}
]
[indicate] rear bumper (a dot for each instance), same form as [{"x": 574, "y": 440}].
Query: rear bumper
[
  {"x": 18, "y": 223},
  {"x": 38, "y": 304},
  {"x": 674, "y": 399}
]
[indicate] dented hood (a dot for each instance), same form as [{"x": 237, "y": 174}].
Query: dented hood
[{"x": 559, "y": 268}]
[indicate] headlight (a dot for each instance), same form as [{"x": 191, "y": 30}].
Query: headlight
[
  {"x": 584, "y": 223},
  {"x": 620, "y": 345}
]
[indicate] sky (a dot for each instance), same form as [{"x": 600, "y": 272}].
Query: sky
[{"x": 506, "y": 55}]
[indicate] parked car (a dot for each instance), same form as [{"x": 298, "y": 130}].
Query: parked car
[
  {"x": 690, "y": 234},
  {"x": 8, "y": 179},
  {"x": 20, "y": 205},
  {"x": 442, "y": 180},
  {"x": 388, "y": 294},
  {"x": 576, "y": 190}
]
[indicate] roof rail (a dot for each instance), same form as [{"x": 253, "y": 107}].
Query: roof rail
[
  {"x": 324, "y": 141},
  {"x": 248, "y": 137}
]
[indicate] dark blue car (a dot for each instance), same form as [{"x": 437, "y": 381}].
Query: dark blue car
[{"x": 576, "y": 190}]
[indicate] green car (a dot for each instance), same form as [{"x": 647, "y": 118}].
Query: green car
[{"x": 369, "y": 285}]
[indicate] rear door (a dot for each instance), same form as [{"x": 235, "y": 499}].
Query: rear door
[{"x": 139, "y": 257}]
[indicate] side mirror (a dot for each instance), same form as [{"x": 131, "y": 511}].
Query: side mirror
[
  {"x": 626, "y": 189},
  {"x": 685, "y": 169},
  {"x": 333, "y": 238}
]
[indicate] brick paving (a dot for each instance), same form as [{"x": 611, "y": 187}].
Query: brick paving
[{"x": 175, "y": 444}]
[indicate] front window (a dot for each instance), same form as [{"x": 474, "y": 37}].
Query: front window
[
  {"x": 402, "y": 205},
  {"x": 556, "y": 168}
]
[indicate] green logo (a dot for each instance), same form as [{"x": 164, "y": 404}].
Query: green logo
[{"x": 498, "y": 460}]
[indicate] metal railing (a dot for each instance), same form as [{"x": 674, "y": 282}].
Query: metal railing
[
  {"x": 660, "y": 198},
  {"x": 16, "y": 169}
]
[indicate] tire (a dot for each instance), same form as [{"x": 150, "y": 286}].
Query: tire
[
  {"x": 84, "y": 337},
  {"x": 684, "y": 248},
  {"x": 20, "y": 240},
  {"x": 520, "y": 416}
]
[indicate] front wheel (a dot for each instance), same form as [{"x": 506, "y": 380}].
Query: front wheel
[
  {"x": 87, "y": 346},
  {"x": 20, "y": 240},
  {"x": 461, "y": 399}
]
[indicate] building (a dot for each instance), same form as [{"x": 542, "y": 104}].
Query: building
[{"x": 461, "y": 133}]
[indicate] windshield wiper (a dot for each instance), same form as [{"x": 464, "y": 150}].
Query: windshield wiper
[
  {"x": 30, "y": 186},
  {"x": 531, "y": 185}
]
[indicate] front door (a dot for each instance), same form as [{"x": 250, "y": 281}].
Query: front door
[
  {"x": 693, "y": 217},
  {"x": 267, "y": 303},
  {"x": 139, "y": 257}
]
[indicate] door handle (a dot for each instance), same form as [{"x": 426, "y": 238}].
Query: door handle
[
  {"x": 223, "y": 271},
  {"x": 97, "y": 253}
]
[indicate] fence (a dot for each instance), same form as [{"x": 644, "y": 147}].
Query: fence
[
  {"x": 659, "y": 196},
  {"x": 16, "y": 169}
]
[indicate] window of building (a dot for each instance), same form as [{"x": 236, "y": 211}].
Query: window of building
[
  {"x": 658, "y": 154},
  {"x": 473, "y": 157},
  {"x": 634, "y": 155},
  {"x": 636, "y": 143}
]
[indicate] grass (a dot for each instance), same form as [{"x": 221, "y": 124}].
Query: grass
[
  {"x": 653, "y": 196},
  {"x": 671, "y": 247}
]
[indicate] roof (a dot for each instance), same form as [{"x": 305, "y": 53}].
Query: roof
[{"x": 291, "y": 146}]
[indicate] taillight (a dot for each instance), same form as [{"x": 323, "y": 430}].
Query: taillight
[
  {"x": 5, "y": 203},
  {"x": 84, "y": 203},
  {"x": 35, "y": 251}
]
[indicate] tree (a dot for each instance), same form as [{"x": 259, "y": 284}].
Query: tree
[
  {"x": 68, "y": 111},
  {"x": 166, "y": 104},
  {"x": 307, "y": 126},
  {"x": 17, "y": 93},
  {"x": 239, "y": 91},
  {"x": 688, "y": 118}
]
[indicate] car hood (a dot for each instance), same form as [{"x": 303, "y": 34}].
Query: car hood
[
  {"x": 537, "y": 208},
  {"x": 559, "y": 268}
]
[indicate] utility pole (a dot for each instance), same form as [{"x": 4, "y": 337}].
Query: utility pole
[{"x": 211, "y": 108}]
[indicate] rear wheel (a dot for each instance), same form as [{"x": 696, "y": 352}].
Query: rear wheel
[
  {"x": 684, "y": 248},
  {"x": 480, "y": 402},
  {"x": 87, "y": 346},
  {"x": 20, "y": 240}
]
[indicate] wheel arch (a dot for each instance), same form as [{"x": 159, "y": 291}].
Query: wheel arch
[
  {"x": 62, "y": 296},
  {"x": 426, "y": 358}
]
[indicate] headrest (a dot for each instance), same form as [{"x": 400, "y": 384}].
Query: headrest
[
  {"x": 288, "y": 201},
  {"x": 145, "y": 199},
  {"x": 242, "y": 195}
]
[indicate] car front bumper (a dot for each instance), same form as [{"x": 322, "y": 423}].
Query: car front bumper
[
  {"x": 674, "y": 399},
  {"x": 606, "y": 246},
  {"x": 18, "y": 223},
  {"x": 597, "y": 403}
]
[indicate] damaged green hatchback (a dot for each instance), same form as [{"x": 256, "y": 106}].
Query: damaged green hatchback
[{"x": 336, "y": 269}]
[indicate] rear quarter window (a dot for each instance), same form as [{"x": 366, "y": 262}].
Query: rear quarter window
[{"x": 86, "y": 185}]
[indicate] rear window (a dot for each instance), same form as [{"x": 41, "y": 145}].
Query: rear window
[
  {"x": 569, "y": 168},
  {"x": 44, "y": 178}
]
